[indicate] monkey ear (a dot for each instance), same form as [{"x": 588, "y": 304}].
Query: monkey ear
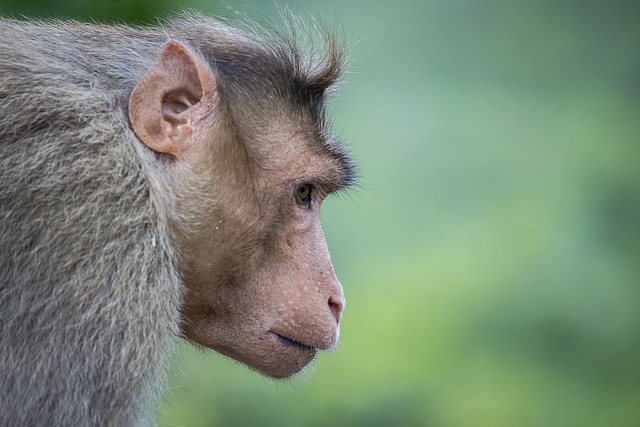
[{"x": 174, "y": 96}]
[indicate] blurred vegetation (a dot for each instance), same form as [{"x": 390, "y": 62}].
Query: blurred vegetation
[{"x": 491, "y": 256}]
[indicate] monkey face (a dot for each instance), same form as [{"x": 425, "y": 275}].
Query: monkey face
[
  {"x": 261, "y": 287},
  {"x": 244, "y": 213}
]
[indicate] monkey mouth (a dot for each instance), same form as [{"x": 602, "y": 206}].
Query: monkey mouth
[{"x": 288, "y": 342}]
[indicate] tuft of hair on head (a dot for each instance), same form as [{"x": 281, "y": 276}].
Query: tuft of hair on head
[
  {"x": 318, "y": 50},
  {"x": 300, "y": 59}
]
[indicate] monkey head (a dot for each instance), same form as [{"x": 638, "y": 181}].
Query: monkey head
[{"x": 246, "y": 165}]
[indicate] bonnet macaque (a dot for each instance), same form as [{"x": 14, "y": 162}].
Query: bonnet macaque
[{"x": 158, "y": 183}]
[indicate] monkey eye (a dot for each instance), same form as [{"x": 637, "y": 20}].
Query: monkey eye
[{"x": 303, "y": 194}]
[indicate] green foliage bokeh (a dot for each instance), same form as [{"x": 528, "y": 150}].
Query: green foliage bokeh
[{"x": 491, "y": 255}]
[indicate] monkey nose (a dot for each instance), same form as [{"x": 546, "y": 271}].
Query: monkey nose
[{"x": 336, "y": 305}]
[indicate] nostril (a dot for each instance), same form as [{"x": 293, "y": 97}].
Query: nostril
[{"x": 336, "y": 306}]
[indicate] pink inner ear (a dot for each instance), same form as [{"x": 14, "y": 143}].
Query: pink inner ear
[
  {"x": 176, "y": 92},
  {"x": 176, "y": 103}
]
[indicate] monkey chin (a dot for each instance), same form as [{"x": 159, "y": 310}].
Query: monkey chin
[
  {"x": 273, "y": 355},
  {"x": 282, "y": 357},
  {"x": 277, "y": 352},
  {"x": 286, "y": 356},
  {"x": 295, "y": 354}
]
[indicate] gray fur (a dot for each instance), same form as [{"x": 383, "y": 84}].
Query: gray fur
[{"x": 89, "y": 292}]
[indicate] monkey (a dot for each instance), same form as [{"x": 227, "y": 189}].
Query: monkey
[{"x": 160, "y": 183}]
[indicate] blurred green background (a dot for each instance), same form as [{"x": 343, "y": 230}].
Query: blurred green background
[{"x": 491, "y": 256}]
